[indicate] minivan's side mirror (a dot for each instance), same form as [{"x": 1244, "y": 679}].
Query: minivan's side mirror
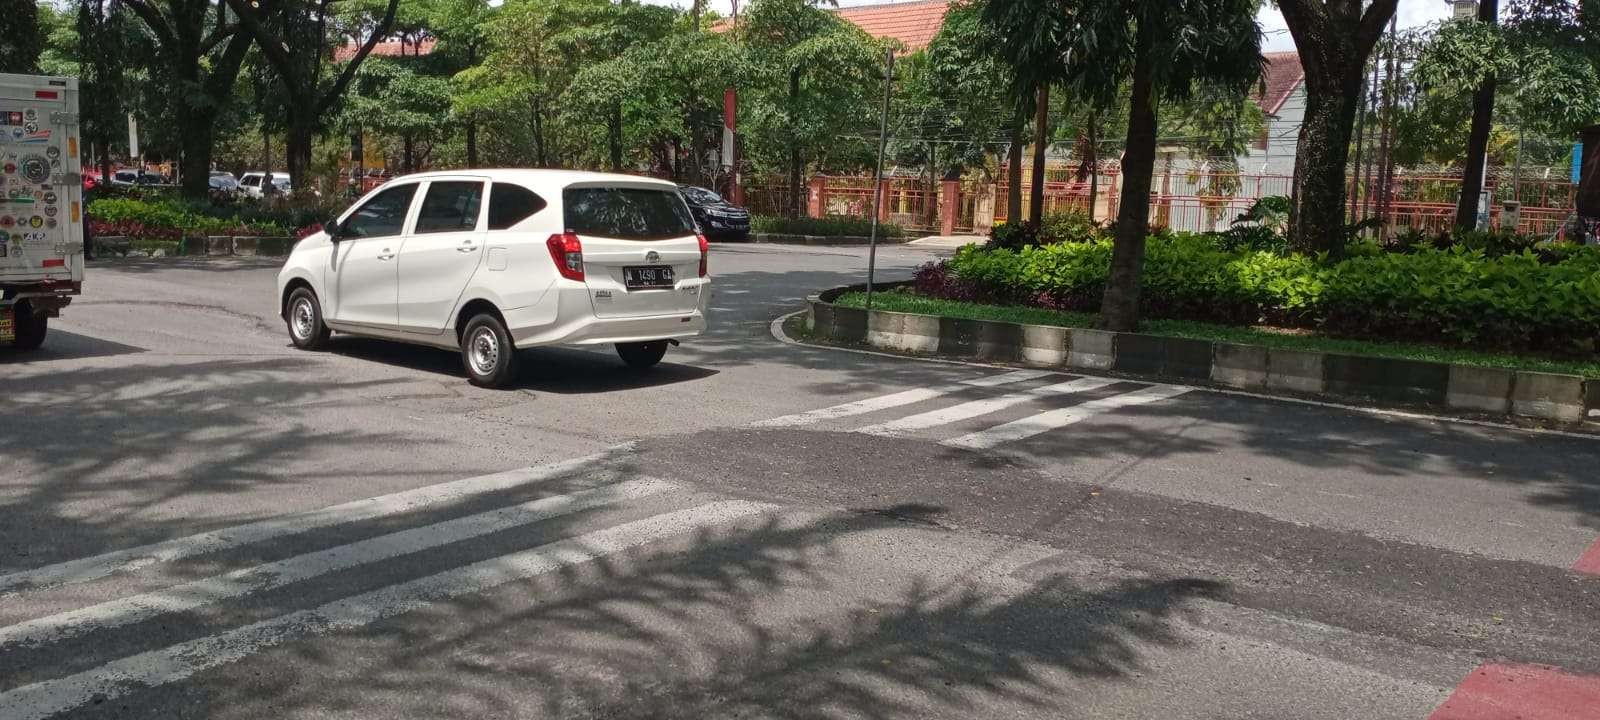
[{"x": 331, "y": 227}]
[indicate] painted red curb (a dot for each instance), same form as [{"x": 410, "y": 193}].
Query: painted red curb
[
  {"x": 1589, "y": 564},
  {"x": 1522, "y": 692}
]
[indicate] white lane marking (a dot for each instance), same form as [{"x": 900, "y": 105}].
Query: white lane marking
[
  {"x": 177, "y": 662},
  {"x": 976, "y": 408},
  {"x": 884, "y": 402},
  {"x": 775, "y": 329},
  {"x": 98, "y": 566},
  {"x": 1050, "y": 420},
  {"x": 137, "y": 608}
]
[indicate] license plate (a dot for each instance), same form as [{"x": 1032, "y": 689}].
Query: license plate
[
  {"x": 8, "y": 326},
  {"x": 658, "y": 276}
]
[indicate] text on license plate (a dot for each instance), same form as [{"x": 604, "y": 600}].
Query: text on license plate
[
  {"x": 648, "y": 277},
  {"x": 8, "y": 327}
]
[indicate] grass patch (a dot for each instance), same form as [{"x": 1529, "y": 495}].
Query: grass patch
[{"x": 902, "y": 301}]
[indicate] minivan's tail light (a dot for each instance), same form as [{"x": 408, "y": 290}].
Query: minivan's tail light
[
  {"x": 567, "y": 252},
  {"x": 705, "y": 254}
]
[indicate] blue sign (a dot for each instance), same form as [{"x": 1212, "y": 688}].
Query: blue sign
[{"x": 1577, "y": 163}]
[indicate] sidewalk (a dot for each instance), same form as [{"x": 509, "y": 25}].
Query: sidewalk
[{"x": 948, "y": 241}]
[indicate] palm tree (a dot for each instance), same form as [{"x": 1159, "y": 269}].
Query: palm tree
[{"x": 1163, "y": 50}]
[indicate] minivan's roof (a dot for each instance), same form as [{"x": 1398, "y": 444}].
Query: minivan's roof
[{"x": 532, "y": 176}]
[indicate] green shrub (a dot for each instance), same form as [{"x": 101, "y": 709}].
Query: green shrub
[
  {"x": 830, "y": 226},
  {"x": 1460, "y": 295},
  {"x": 1012, "y": 236},
  {"x": 170, "y": 216},
  {"x": 1067, "y": 227}
]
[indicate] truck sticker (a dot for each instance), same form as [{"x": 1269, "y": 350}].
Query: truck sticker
[{"x": 40, "y": 137}]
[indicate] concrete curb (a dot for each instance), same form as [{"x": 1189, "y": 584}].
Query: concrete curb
[
  {"x": 1568, "y": 399},
  {"x": 786, "y": 239},
  {"x": 215, "y": 245}
]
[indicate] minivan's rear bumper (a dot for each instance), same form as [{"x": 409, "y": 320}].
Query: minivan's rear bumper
[{"x": 529, "y": 327}]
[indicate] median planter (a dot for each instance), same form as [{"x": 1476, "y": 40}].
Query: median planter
[
  {"x": 1545, "y": 395},
  {"x": 1403, "y": 381},
  {"x": 1463, "y": 388},
  {"x": 1240, "y": 366},
  {"x": 1476, "y": 389}
]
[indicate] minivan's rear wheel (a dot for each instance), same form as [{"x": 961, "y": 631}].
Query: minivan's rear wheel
[
  {"x": 487, "y": 352},
  {"x": 640, "y": 356},
  {"x": 303, "y": 315}
]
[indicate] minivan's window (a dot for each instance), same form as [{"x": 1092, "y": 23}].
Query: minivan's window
[
  {"x": 626, "y": 213},
  {"x": 450, "y": 207},
  {"x": 383, "y": 215},
  {"x": 702, "y": 196},
  {"x": 510, "y": 204}
]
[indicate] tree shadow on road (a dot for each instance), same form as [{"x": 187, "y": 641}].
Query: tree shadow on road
[{"x": 765, "y": 620}]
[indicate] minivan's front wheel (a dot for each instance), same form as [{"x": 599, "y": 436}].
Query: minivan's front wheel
[
  {"x": 303, "y": 314},
  {"x": 487, "y": 352},
  {"x": 640, "y": 356}
]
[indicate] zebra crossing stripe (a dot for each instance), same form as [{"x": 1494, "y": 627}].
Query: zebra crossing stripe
[
  {"x": 137, "y": 608},
  {"x": 1046, "y": 421},
  {"x": 177, "y": 662},
  {"x": 98, "y": 566},
  {"x": 884, "y": 402},
  {"x": 978, "y": 408}
]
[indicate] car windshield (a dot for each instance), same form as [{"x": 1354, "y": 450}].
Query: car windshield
[
  {"x": 626, "y": 213},
  {"x": 702, "y": 196}
]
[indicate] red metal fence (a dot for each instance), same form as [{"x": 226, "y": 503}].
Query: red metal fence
[{"x": 1185, "y": 201}]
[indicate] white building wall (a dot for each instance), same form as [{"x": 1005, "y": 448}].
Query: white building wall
[{"x": 1283, "y": 135}]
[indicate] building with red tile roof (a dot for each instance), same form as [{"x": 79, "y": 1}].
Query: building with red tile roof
[
  {"x": 912, "y": 23},
  {"x": 387, "y": 48}
]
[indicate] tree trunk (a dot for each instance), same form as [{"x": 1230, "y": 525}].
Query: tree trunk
[
  {"x": 1014, "y": 170},
  {"x": 1094, "y": 163},
  {"x": 1478, "y": 138},
  {"x": 697, "y": 154},
  {"x": 297, "y": 144},
  {"x": 614, "y": 135},
  {"x": 266, "y": 149},
  {"x": 198, "y": 131},
  {"x": 1335, "y": 38},
  {"x": 1041, "y": 135},
  {"x": 796, "y": 192},
  {"x": 1119, "y": 308},
  {"x": 1317, "y": 218},
  {"x": 538, "y": 134},
  {"x": 408, "y": 159}
]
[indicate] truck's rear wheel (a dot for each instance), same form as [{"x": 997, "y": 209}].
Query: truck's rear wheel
[{"x": 31, "y": 328}]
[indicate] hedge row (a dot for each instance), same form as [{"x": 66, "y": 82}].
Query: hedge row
[
  {"x": 830, "y": 226},
  {"x": 1457, "y": 295}
]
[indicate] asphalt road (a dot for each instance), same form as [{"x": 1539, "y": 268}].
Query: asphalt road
[{"x": 198, "y": 521}]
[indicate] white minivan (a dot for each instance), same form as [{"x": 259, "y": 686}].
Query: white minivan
[{"x": 492, "y": 261}]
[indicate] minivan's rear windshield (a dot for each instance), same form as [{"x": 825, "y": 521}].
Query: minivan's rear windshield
[{"x": 626, "y": 213}]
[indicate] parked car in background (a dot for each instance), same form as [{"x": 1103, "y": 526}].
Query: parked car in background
[
  {"x": 223, "y": 182},
  {"x": 261, "y": 184},
  {"x": 718, "y": 218},
  {"x": 134, "y": 176},
  {"x": 490, "y": 262}
]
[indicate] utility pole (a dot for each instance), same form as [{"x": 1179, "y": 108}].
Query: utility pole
[{"x": 877, "y": 179}]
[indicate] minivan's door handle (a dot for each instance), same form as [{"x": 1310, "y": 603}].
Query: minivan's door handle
[
  {"x": 466, "y": 247},
  {"x": 386, "y": 255}
]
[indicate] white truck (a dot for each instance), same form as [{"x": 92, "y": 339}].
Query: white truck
[{"x": 41, "y": 205}]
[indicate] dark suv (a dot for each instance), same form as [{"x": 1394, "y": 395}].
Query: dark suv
[{"x": 717, "y": 218}]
